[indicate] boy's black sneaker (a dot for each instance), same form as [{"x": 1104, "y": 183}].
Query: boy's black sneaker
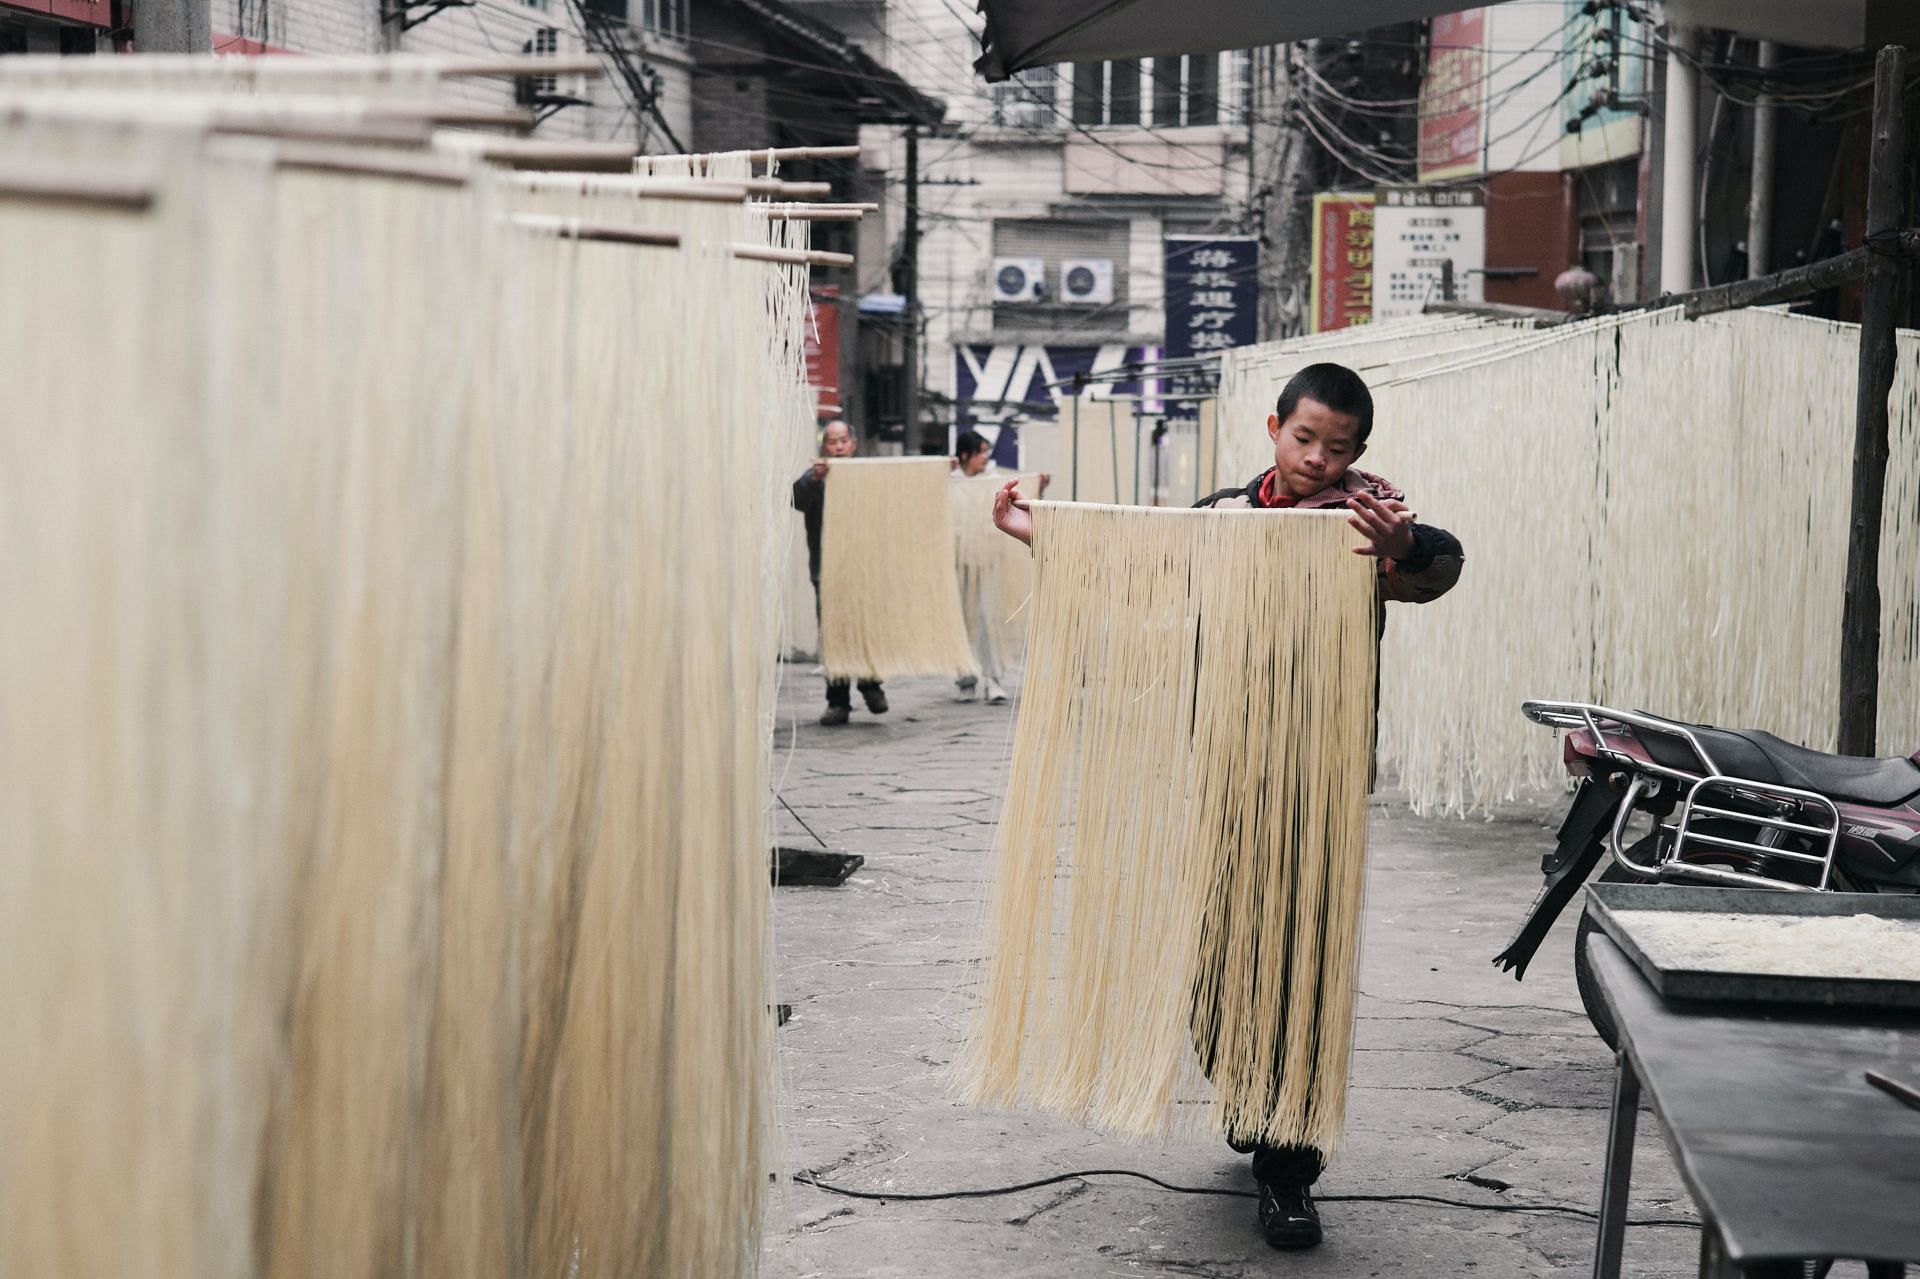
[
  {"x": 1287, "y": 1216},
  {"x": 876, "y": 699},
  {"x": 834, "y": 715}
]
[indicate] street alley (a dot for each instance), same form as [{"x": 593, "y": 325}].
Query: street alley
[{"x": 1467, "y": 1086}]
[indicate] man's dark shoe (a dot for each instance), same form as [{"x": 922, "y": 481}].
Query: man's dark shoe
[
  {"x": 876, "y": 699},
  {"x": 1287, "y": 1216},
  {"x": 834, "y": 715},
  {"x": 1240, "y": 1147}
]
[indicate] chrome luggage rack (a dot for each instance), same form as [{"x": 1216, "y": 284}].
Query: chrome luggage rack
[{"x": 1710, "y": 794}]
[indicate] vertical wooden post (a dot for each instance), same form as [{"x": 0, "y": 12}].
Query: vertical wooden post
[{"x": 1860, "y": 619}]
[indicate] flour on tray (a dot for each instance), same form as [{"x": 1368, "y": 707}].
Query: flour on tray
[{"x": 1777, "y": 945}]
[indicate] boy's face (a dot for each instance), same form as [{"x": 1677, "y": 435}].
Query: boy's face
[
  {"x": 1314, "y": 447},
  {"x": 837, "y": 440}
]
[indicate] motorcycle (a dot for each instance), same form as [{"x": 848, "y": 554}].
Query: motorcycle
[{"x": 1720, "y": 807}]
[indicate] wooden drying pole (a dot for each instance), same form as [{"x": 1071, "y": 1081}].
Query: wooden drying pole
[{"x": 1886, "y": 278}]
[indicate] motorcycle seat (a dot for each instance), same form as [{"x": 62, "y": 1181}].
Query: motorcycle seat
[{"x": 1762, "y": 757}]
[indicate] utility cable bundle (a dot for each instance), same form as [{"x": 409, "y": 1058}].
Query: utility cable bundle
[
  {"x": 1656, "y": 511},
  {"x": 889, "y": 600},
  {"x": 382, "y": 839},
  {"x": 1180, "y": 858}
]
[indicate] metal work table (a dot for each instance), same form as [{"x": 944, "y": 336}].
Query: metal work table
[{"x": 1788, "y": 1153}]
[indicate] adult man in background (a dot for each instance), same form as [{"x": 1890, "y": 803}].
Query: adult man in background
[{"x": 809, "y": 498}]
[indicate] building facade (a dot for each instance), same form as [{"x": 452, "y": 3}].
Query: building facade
[{"x": 1043, "y": 208}]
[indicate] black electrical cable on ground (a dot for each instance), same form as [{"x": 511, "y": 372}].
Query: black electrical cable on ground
[{"x": 989, "y": 1192}]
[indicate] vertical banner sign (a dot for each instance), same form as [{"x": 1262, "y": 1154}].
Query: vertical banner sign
[
  {"x": 1415, "y": 231},
  {"x": 1212, "y": 303},
  {"x": 823, "y": 350},
  {"x": 1343, "y": 270},
  {"x": 1451, "y": 94}
]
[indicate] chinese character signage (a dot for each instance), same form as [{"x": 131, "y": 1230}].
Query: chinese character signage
[
  {"x": 1212, "y": 303},
  {"x": 1451, "y": 94},
  {"x": 1415, "y": 231},
  {"x": 1342, "y": 261},
  {"x": 1212, "y": 293}
]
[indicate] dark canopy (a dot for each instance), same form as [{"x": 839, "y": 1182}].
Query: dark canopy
[{"x": 1031, "y": 33}]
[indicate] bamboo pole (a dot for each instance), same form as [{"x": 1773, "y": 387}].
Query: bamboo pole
[
  {"x": 69, "y": 183},
  {"x": 767, "y": 155},
  {"x": 779, "y": 186},
  {"x": 368, "y": 163},
  {"x": 815, "y": 215},
  {"x": 537, "y": 154},
  {"x": 605, "y": 232},
  {"x": 516, "y": 68},
  {"x": 1886, "y": 274},
  {"x": 790, "y": 257},
  {"x": 462, "y": 115}
]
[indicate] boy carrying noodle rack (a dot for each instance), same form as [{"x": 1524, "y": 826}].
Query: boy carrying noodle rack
[{"x": 1319, "y": 430}]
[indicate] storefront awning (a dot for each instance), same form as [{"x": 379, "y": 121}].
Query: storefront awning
[{"x": 1032, "y": 33}]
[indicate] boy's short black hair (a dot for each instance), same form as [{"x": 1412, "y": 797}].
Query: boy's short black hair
[
  {"x": 969, "y": 443},
  {"x": 1334, "y": 385}
]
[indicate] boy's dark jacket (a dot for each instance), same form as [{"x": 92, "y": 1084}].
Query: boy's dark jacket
[{"x": 1427, "y": 574}]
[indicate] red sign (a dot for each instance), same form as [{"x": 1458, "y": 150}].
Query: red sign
[
  {"x": 1342, "y": 262},
  {"x": 823, "y": 351},
  {"x": 95, "y": 13},
  {"x": 1451, "y": 95}
]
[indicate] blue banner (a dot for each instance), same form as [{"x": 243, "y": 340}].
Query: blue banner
[
  {"x": 1212, "y": 300},
  {"x": 997, "y": 387}
]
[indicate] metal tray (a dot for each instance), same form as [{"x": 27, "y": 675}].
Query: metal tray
[{"x": 1604, "y": 900}]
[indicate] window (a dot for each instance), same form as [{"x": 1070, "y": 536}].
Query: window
[
  {"x": 1027, "y": 101},
  {"x": 665, "y": 17},
  {"x": 1106, "y": 93},
  {"x": 545, "y": 44},
  {"x": 1179, "y": 91},
  {"x": 1186, "y": 90}
]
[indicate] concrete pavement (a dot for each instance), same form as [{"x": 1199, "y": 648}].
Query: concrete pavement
[{"x": 1466, "y": 1085}]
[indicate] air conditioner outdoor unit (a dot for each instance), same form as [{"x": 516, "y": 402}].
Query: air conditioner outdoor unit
[
  {"x": 1087, "y": 280},
  {"x": 1019, "y": 279}
]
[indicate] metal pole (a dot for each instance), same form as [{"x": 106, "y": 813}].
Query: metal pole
[
  {"x": 1860, "y": 620},
  {"x": 910, "y": 290},
  {"x": 1678, "y": 200},
  {"x": 1074, "y": 445},
  {"x": 1766, "y": 133},
  {"x": 173, "y": 26},
  {"x": 1618, "y": 1176}
]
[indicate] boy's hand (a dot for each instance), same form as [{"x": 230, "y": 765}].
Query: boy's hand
[
  {"x": 1387, "y": 526},
  {"x": 1010, "y": 519}
]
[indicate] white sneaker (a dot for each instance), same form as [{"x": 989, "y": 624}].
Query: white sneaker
[
  {"x": 964, "y": 688},
  {"x": 995, "y": 694}
]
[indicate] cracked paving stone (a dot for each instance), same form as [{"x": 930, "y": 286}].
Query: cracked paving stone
[
  {"x": 1403, "y": 1068},
  {"x": 1371, "y": 1034}
]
